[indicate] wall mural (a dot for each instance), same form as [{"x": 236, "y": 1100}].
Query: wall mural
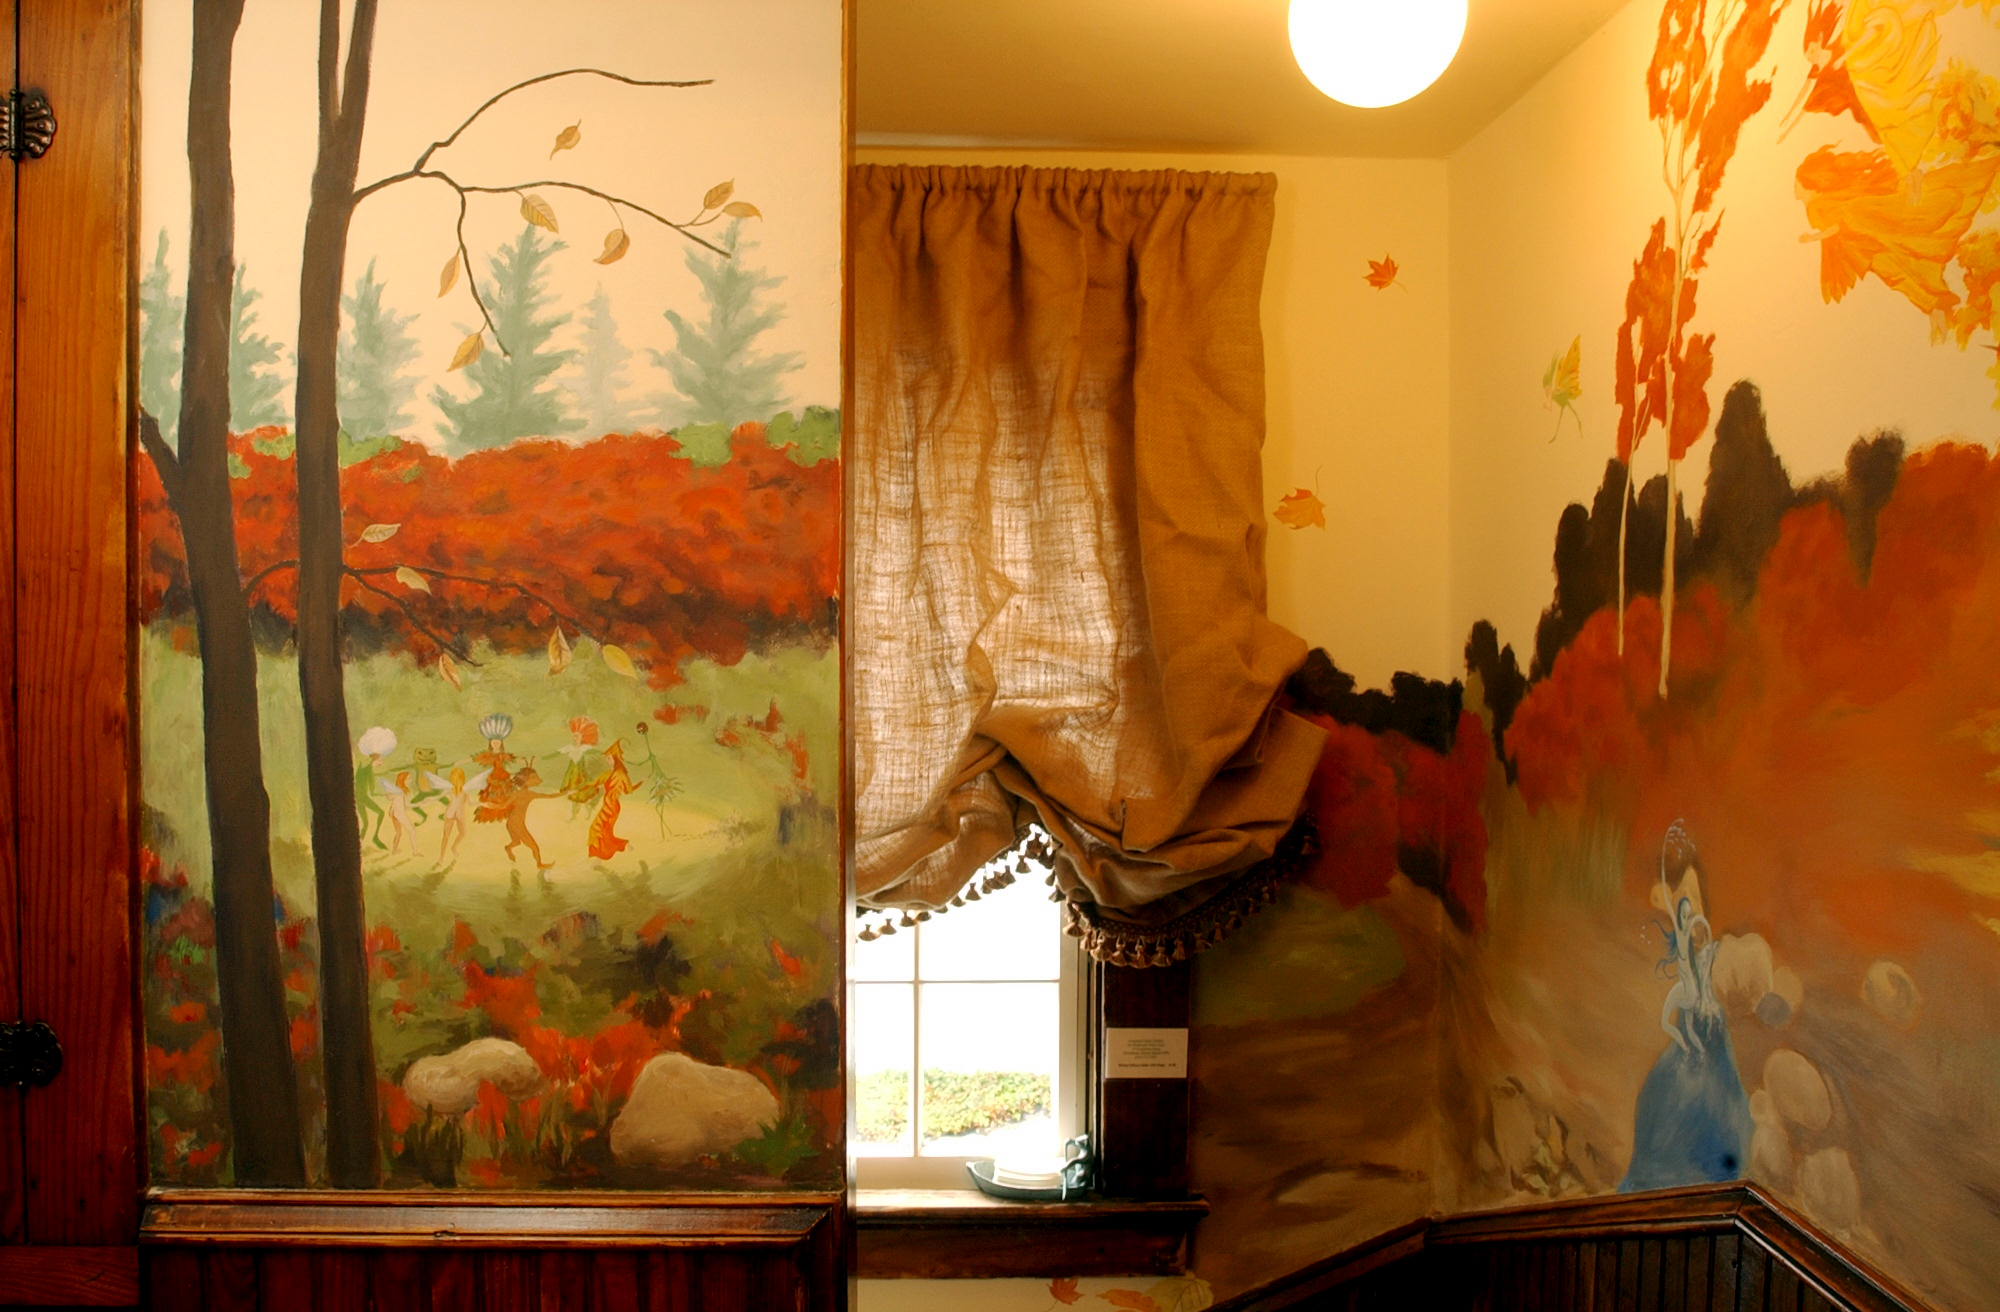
[
  {"x": 1712, "y": 880},
  {"x": 489, "y": 688}
]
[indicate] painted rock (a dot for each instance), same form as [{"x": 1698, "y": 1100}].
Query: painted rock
[
  {"x": 449, "y": 1084},
  {"x": 1798, "y": 1090},
  {"x": 681, "y": 1109}
]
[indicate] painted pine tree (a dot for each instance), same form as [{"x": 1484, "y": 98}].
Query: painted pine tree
[
  {"x": 514, "y": 392},
  {"x": 601, "y": 377},
  {"x": 161, "y": 315},
  {"x": 256, "y": 383},
  {"x": 719, "y": 375},
  {"x": 375, "y": 351}
]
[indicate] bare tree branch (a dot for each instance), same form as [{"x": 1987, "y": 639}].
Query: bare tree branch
[
  {"x": 498, "y": 585},
  {"x": 472, "y": 281},
  {"x": 425, "y": 158},
  {"x": 402, "y": 604},
  {"x": 164, "y": 459},
  {"x": 362, "y": 574}
]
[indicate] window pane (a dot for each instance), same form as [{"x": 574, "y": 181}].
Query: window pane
[
  {"x": 1015, "y": 933},
  {"x": 990, "y": 1054},
  {"x": 893, "y": 957},
  {"x": 884, "y": 1054}
]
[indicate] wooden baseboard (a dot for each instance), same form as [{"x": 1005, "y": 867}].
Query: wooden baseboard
[
  {"x": 34, "y": 1275},
  {"x": 1799, "y": 1254}
]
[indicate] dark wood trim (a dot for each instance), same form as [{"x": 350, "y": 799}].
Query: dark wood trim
[
  {"x": 599, "y": 1221},
  {"x": 1330, "y": 1273},
  {"x": 1803, "y": 1256},
  {"x": 1139, "y": 1128},
  {"x": 958, "y": 1233},
  {"x": 53, "y": 1276},
  {"x": 1614, "y": 1216}
]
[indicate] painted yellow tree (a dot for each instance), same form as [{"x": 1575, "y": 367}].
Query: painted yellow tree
[
  {"x": 1700, "y": 90},
  {"x": 1907, "y": 209}
]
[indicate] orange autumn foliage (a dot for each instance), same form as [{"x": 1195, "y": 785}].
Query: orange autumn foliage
[{"x": 1833, "y": 744}]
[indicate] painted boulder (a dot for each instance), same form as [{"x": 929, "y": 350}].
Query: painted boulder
[
  {"x": 681, "y": 1109},
  {"x": 449, "y": 1084}
]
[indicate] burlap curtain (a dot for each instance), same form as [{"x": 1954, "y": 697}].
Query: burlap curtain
[{"x": 1057, "y": 605}]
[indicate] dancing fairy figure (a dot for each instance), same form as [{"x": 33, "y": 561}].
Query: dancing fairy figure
[
  {"x": 374, "y": 747},
  {"x": 520, "y": 796},
  {"x": 616, "y": 782},
  {"x": 458, "y": 792},
  {"x": 1690, "y": 943}
]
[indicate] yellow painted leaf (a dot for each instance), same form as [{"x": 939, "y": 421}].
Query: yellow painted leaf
[
  {"x": 449, "y": 277},
  {"x": 468, "y": 351},
  {"x": 719, "y": 193},
  {"x": 1301, "y": 509},
  {"x": 379, "y": 532},
  {"x": 568, "y": 137},
  {"x": 448, "y": 669},
  {"x": 537, "y": 211},
  {"x": 559, "y": 652},
  {"x": 742, "y": 209},
  {"x": 412, "y": 580},
  {"x": 616, "y": 658},
  {"x": 616, "y": 243}
]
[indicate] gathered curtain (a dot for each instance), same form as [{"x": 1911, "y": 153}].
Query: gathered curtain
[{"x": 1057, "y": 606}]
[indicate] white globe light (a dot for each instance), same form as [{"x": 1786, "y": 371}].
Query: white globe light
[{"x": 1372, "y": 53}]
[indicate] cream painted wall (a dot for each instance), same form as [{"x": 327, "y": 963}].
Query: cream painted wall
[
  {"x": 1357, "y": 381},
  {"x": 1550, "y": 205}
]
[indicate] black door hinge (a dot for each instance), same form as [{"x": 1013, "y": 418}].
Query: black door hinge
[
  {"x": 27, "y": 124},
  {"x": 29, "y": 1053}
]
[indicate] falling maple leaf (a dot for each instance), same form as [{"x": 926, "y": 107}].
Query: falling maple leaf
[
  {"x": 1129, "y": 1298},
  {"x": 1063, "y": 1288},
  {"x": 1301, "y": 509},
  {"x": 1562, "y": 385},
  {"x": 1381, "y": 274}
]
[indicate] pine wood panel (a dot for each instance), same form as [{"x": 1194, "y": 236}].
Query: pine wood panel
[
  {"x": 72, "y": 273},
  {"x": 12, "y": 1200}
]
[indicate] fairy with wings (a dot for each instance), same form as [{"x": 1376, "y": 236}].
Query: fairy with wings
[{"x": 460, "y": 791}]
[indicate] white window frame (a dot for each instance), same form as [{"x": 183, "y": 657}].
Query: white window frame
[{"x": 1069, "y": 1099}]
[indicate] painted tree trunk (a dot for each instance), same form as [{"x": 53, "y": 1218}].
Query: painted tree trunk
[
  {"x": 1624, "y": 521},
  {"x": 353, "y": 1160},
  {"x": 257, "y": 1059},
  {"x": 1667, "y": 579}
]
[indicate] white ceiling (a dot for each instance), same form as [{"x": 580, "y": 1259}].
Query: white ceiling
[{"x": 1172, "y": 75}]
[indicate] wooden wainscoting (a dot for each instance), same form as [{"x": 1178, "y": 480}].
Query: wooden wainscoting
[
  {"x": 427, "y": 1253},
  {"x": 1726, "y": 1248}
]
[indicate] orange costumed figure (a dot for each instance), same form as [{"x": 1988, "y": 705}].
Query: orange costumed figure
[{"x": 615, "y": 783}]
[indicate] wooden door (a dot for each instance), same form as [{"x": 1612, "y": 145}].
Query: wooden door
[{"x": 69, "y": 1164}]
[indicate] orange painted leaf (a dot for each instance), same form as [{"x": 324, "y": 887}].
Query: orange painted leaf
[
  {"x": 1381, "y": 273},
  {"x": 448, "y": 277},
  {"x": 1691, "y": 375},
  {"x": 791, "y": 965},
  {"x": 1301, "y": 509},
  {"x": 1063, "y": 1290},
  {"x": 1130, "y": 1298},
  {"x": 568, "y": 137},
  {"x": 616, "y": 243},
  {"x": 718, "y": 194},
  {"x": 742, "y": 209}
]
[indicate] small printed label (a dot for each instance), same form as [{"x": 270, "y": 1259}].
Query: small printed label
[{"x": 1145, "y": 1054}]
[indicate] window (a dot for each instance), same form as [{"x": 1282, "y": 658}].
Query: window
[{"x": 967, "y": 1040}]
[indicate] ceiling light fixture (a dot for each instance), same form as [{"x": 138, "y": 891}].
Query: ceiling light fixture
[{"x": 1371, "y": 53}]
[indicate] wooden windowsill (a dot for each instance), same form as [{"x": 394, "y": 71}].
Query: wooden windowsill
[{"x": 946, "y": 1233}]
